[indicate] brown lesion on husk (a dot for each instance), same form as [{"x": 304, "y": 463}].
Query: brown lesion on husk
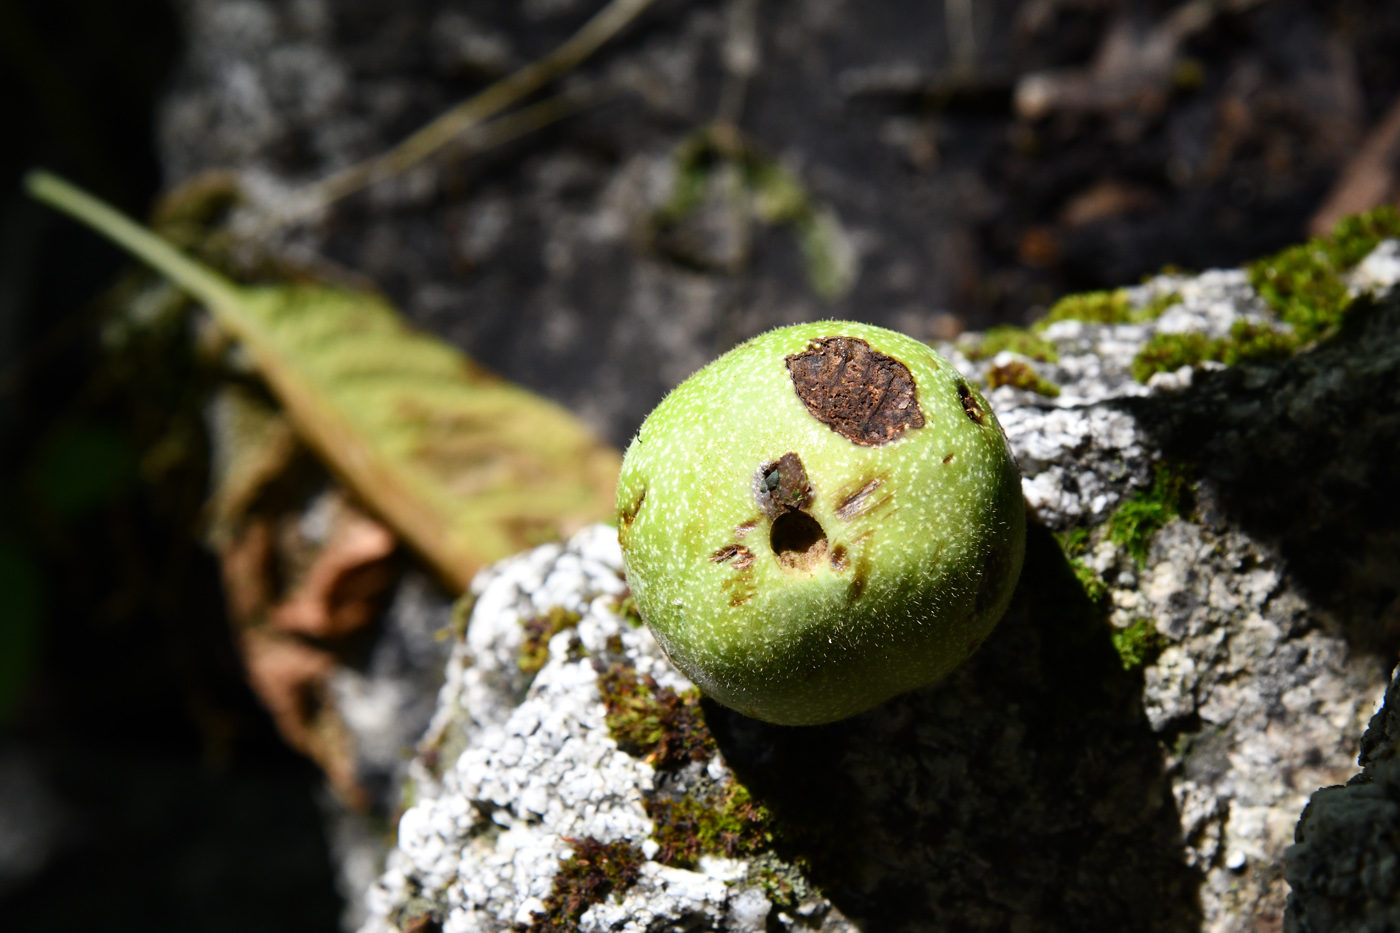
[
  {"x": 739, "y": 557},
  {"x": 782, "y": 486},
  {"x": 860, "y": 501},
  {"x": 865, "y": 396},
  {"x": 970, "y": 404}
]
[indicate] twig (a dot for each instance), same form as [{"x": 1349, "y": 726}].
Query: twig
[
  {"x": 527, "y": 120},
  {"x": 509, "y": 90}
]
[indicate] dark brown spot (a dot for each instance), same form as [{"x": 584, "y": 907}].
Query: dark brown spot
[
  {"x": 858, "y": 501},
  {"x": 782, "y": 486},
  {"x": 948, "y": 459},
  {"x": 863, "y": 395},
  {"x": 857, "y": 586},
  {"x": 741, "y": 531},
  {"x": 838, "y": 558},
  {"x": 742, "y": 556},
  {"x": 798, "y": 541},
  {"x": 969, "y": 404}
]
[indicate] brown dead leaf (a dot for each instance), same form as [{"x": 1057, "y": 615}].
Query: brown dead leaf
[
  {"x": 292, "y": 679},
  {"x": 342, "y": 589}
]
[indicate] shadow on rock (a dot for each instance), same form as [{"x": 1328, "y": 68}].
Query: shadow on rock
[
  {"x": 1305, "y": 455},
  {"x": 1024, "y": 792}
]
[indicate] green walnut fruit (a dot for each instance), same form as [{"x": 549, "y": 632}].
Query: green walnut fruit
[{"x": 824, "y": 517}]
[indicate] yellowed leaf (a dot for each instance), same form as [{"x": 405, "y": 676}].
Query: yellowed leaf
[{"x": 466, "y": 467}]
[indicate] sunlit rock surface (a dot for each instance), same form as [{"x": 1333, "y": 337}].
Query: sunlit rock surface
[{"x": 1139, "y": 762}]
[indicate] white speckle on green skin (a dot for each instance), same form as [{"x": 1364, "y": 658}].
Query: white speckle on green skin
[{"x": 896, "y": 609}]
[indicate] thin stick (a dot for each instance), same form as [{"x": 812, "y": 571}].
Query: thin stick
[
  {"x": 526, "y": 120},
  {"x": 603, "y": 26}
]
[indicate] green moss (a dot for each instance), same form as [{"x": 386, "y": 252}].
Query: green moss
[
  {"x": 595, "y": 871},
  {"x": 1247, "y": 343},
  {"x": 1137, "y": 520},
  {"x": 652, "y": 722},
  {"x": 734, "y": 825},
  {"x": 1095, "y": 307},
  {"x": 534, "y": 648},
  {"x": 1021, "y": 376},
  {"x": 1139, "y": 644},
  {"x": 1074, "y": 542},
  {"x": 1164, "y": 353},
  {"x": 1094, "y": 588},
  {"x": 1304, "y": 283},
  {"x": 1015, "y": 339},
  {"x": 1112, "y": 307}
]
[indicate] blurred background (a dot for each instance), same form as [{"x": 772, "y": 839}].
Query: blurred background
[{"x": 718, "y": 168}]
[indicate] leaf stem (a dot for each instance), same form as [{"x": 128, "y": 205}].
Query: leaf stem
[{"x": 208, "y": 286}]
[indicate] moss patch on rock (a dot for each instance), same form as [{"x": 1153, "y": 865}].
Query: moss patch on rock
[
  {"x": 1247, "y": 342},
  {"x": 665, "y": 728},
  {"x": 1015, "y": 339},
  {"x": 729, "y": 823},
  {"x": 1106, "y": 307},
  {"x": 1139, "y": 644},
  {"x": 1304, "y": 283},
  {"x": 534, "y": 648},
  {"x": 1021, "y": 376},
  {"x": 1140, "y": 517},
  {"x": 595, "y": 871}
]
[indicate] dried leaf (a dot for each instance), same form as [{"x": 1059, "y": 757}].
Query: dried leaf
[
  {"x": 343, "y": 587},
  {"x": 466, "y": 467}
]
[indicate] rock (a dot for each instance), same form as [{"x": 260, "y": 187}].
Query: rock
[
  {"x": 1344, "y": 870},
  {"x": 1130, "y": 749}
]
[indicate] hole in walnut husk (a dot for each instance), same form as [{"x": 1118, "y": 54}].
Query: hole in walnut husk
[{"x": 798, "y": 541}]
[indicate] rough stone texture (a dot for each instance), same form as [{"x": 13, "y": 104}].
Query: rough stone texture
[
  {"x": 1345, "y": 869},
  {"x": 1042, "y": 786}
]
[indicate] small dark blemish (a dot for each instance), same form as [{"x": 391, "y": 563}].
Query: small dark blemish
[
  {"x": 865, "y": 396},
  {"x": 948, "y": 459},
  {"x": 741, "y": 531},
  {"x": 969, "y": 404},
  {"x": 838, "y": 558},
  {"x": 856, "y": 502},
  {"x": 742, "y": 556},
  {"x": 857, "y": 586}
]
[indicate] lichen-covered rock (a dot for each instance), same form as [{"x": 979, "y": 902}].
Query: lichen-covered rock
[
  {"x": 1344, "y": 870},
  {"x": 1179, "y": 669}
]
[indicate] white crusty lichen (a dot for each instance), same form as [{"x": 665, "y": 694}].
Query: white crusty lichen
[{"x": 481, "y": 845}]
